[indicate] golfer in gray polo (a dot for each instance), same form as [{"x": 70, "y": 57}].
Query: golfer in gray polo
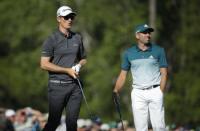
[{"x": 63, "y": 55}]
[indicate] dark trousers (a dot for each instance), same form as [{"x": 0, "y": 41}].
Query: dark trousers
[{"x": 63, "y": 96}]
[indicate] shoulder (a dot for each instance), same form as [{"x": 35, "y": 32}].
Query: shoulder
[
  {"x": 157, "y": 48},
  {"x": 131, "y": 49},
  {"x": 51, "y": 39},
  {"x": 52, "y": 36},
  {"x": 75, "y": 34}
]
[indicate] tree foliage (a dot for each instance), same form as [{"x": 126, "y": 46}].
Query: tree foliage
[
  {"x": 107, "y": 27},
  {"x": 182, "y": 100}
]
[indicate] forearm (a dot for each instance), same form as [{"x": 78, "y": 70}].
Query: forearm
[
  {"x": 163, "y": 81},
  {"x": 53, "y": 68},
  {"x": 45, "y": 64},
  {"x": 119, "y": 85},
  {"x": 120, "y": 81}
]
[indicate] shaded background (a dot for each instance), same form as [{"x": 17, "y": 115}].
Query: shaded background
[{"x": 107, "y": 27}]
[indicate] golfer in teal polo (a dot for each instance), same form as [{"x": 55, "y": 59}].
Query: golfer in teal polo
[{"x": 148, "y": 66}]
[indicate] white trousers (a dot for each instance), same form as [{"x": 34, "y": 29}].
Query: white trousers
[{"x": 148, "y": 103}]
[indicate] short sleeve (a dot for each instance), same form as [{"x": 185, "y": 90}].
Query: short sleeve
[
  {"x": 125, "y": 62},
  {"x": 162, "y": 59},
  {"x": 47, "y": 48}
]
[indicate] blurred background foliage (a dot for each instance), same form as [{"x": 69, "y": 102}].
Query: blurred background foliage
[{"x": 107, "y": 27}]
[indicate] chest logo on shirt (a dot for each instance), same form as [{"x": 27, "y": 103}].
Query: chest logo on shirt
[
  {"x": 151, "y": 57},
  {"x": 75, "y": 44}
]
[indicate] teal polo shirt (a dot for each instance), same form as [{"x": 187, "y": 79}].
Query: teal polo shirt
[{"x": 144, "y": 65}]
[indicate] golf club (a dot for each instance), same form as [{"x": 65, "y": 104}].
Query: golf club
[
  {"x": 117, "y": 105},
  {"x": 92, "y": 116}
]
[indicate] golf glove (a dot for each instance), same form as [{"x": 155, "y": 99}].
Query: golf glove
[{"x": 77, "y": 67}]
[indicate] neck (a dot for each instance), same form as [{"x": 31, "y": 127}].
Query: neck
[
  {"x": 143, "y": 46},
  {"x": 64, "y": 31}
]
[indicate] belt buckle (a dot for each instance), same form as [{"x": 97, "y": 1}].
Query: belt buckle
[
  {"x": 62, "y": 82},
  {"x": 154, "y": 86},
  {"x": 58, "y": 81},
  {"x": 151, "y": 87}
]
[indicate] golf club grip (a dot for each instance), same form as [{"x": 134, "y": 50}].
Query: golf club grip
[{"x": 115, "y": 97}]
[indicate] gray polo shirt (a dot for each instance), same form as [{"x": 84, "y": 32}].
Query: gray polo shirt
[{"x": 63, "y": 51}]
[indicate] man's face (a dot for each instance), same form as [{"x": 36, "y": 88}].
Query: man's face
[
  {"x": 66, "y": 21},
  {"x": 144, "y": 37}
]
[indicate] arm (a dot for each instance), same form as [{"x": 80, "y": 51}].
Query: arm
[
  {"x": 81, "y": 57},
  {"x": 120, "y": 81},
  {"x": 81, "y": 53},
  {"x": 45, "y": 64},
  {"x": 82, "y": 62},
  {"x": 163, "y": 81}
]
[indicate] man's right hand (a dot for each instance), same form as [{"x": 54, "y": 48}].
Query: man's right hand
[
  {"x": 115, "y": 93},
  {"x": 77, "y": 67}
]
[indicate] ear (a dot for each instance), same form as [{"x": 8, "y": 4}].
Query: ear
[
  {"x": 58, "y": 19},
  {"x": 137, "y": 35}
]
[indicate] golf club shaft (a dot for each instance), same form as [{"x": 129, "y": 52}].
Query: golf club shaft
[
  {"x": 120, "y": 117},
  {"x": 117, "y": 104},
  {"x": 80, "y": 86}
]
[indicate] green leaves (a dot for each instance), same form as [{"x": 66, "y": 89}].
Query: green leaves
[{"x": 107, "y": 27}]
